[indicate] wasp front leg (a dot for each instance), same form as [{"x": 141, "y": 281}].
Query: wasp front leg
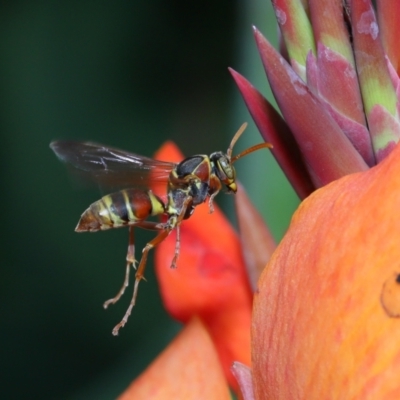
[
  {"x": 215, "y": 187},
  {"x": 180, "y": 218}
]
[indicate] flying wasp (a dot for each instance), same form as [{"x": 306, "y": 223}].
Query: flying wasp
[{"x": 188, "y": 183}]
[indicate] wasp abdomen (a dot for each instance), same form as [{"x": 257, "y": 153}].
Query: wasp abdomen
[{"x": 118, "y": 209}]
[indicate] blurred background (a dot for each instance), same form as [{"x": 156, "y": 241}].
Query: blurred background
[{"x": 130, "y": 74}]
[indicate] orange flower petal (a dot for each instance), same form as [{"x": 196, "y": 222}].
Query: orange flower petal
[
  {"x": 187, "y": 369},
  {"x": 324, "y": 323},
  {"x": 169, "y": 151},
  {"x": 210, "y": 279}
]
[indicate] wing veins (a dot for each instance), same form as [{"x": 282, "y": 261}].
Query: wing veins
[{"x": 110, "y": 167}]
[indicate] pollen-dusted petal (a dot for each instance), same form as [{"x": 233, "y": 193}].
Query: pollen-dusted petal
[
  {"x": 321, "y": 327},
  {"x": 210, "y": 280},
  {"x": 187, "y": 369}
]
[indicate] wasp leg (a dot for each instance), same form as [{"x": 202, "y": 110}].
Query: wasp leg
[
  {"x": 178, "y": 231},
  {"x": 130, "y": 255},
  {"x": 149, "y": 225},
  {"x": 130, "y": 258},
  {"x": 139, "y": 276},
  {"x": 215, "y": 187},
  {"x": 185, "y": 180},
  {"x": 177, "y": 247},
  {"x": 210, "y": 202}
]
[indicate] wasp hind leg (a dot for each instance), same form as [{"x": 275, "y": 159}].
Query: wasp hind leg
[
  {"x": 139, "y": 276},
  {"x": 165, "y": 231},
  {"x": 130, "y": 260}
]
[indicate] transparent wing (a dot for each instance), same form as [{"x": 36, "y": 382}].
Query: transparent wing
[{"x": 110, "y": 167}]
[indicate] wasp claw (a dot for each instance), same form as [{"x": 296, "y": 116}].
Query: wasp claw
[
  {"x": 134, "y": 263},
  {"x": 107, "y": 303},
  {"x": 116, "y": 329}
]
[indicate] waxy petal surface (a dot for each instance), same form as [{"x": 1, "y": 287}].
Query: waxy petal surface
[{"x": 325, "y": 322}]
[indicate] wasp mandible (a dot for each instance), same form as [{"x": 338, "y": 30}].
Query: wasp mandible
[{"x": 188, "y": 183}]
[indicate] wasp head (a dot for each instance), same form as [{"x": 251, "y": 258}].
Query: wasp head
[{"x": 224, "y": 170}]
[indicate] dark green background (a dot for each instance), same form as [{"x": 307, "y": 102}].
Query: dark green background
[{"x": 129, "y": 74}]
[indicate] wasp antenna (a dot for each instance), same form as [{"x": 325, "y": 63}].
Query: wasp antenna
[
  {"x": 250, "y": 150},
  {"x": 235, "y": 139}
]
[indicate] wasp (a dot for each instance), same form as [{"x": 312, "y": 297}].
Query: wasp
[{"x": 188, "y": 184}]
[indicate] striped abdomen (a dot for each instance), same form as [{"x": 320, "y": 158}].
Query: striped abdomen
[{"x": 123, "y": 208}]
